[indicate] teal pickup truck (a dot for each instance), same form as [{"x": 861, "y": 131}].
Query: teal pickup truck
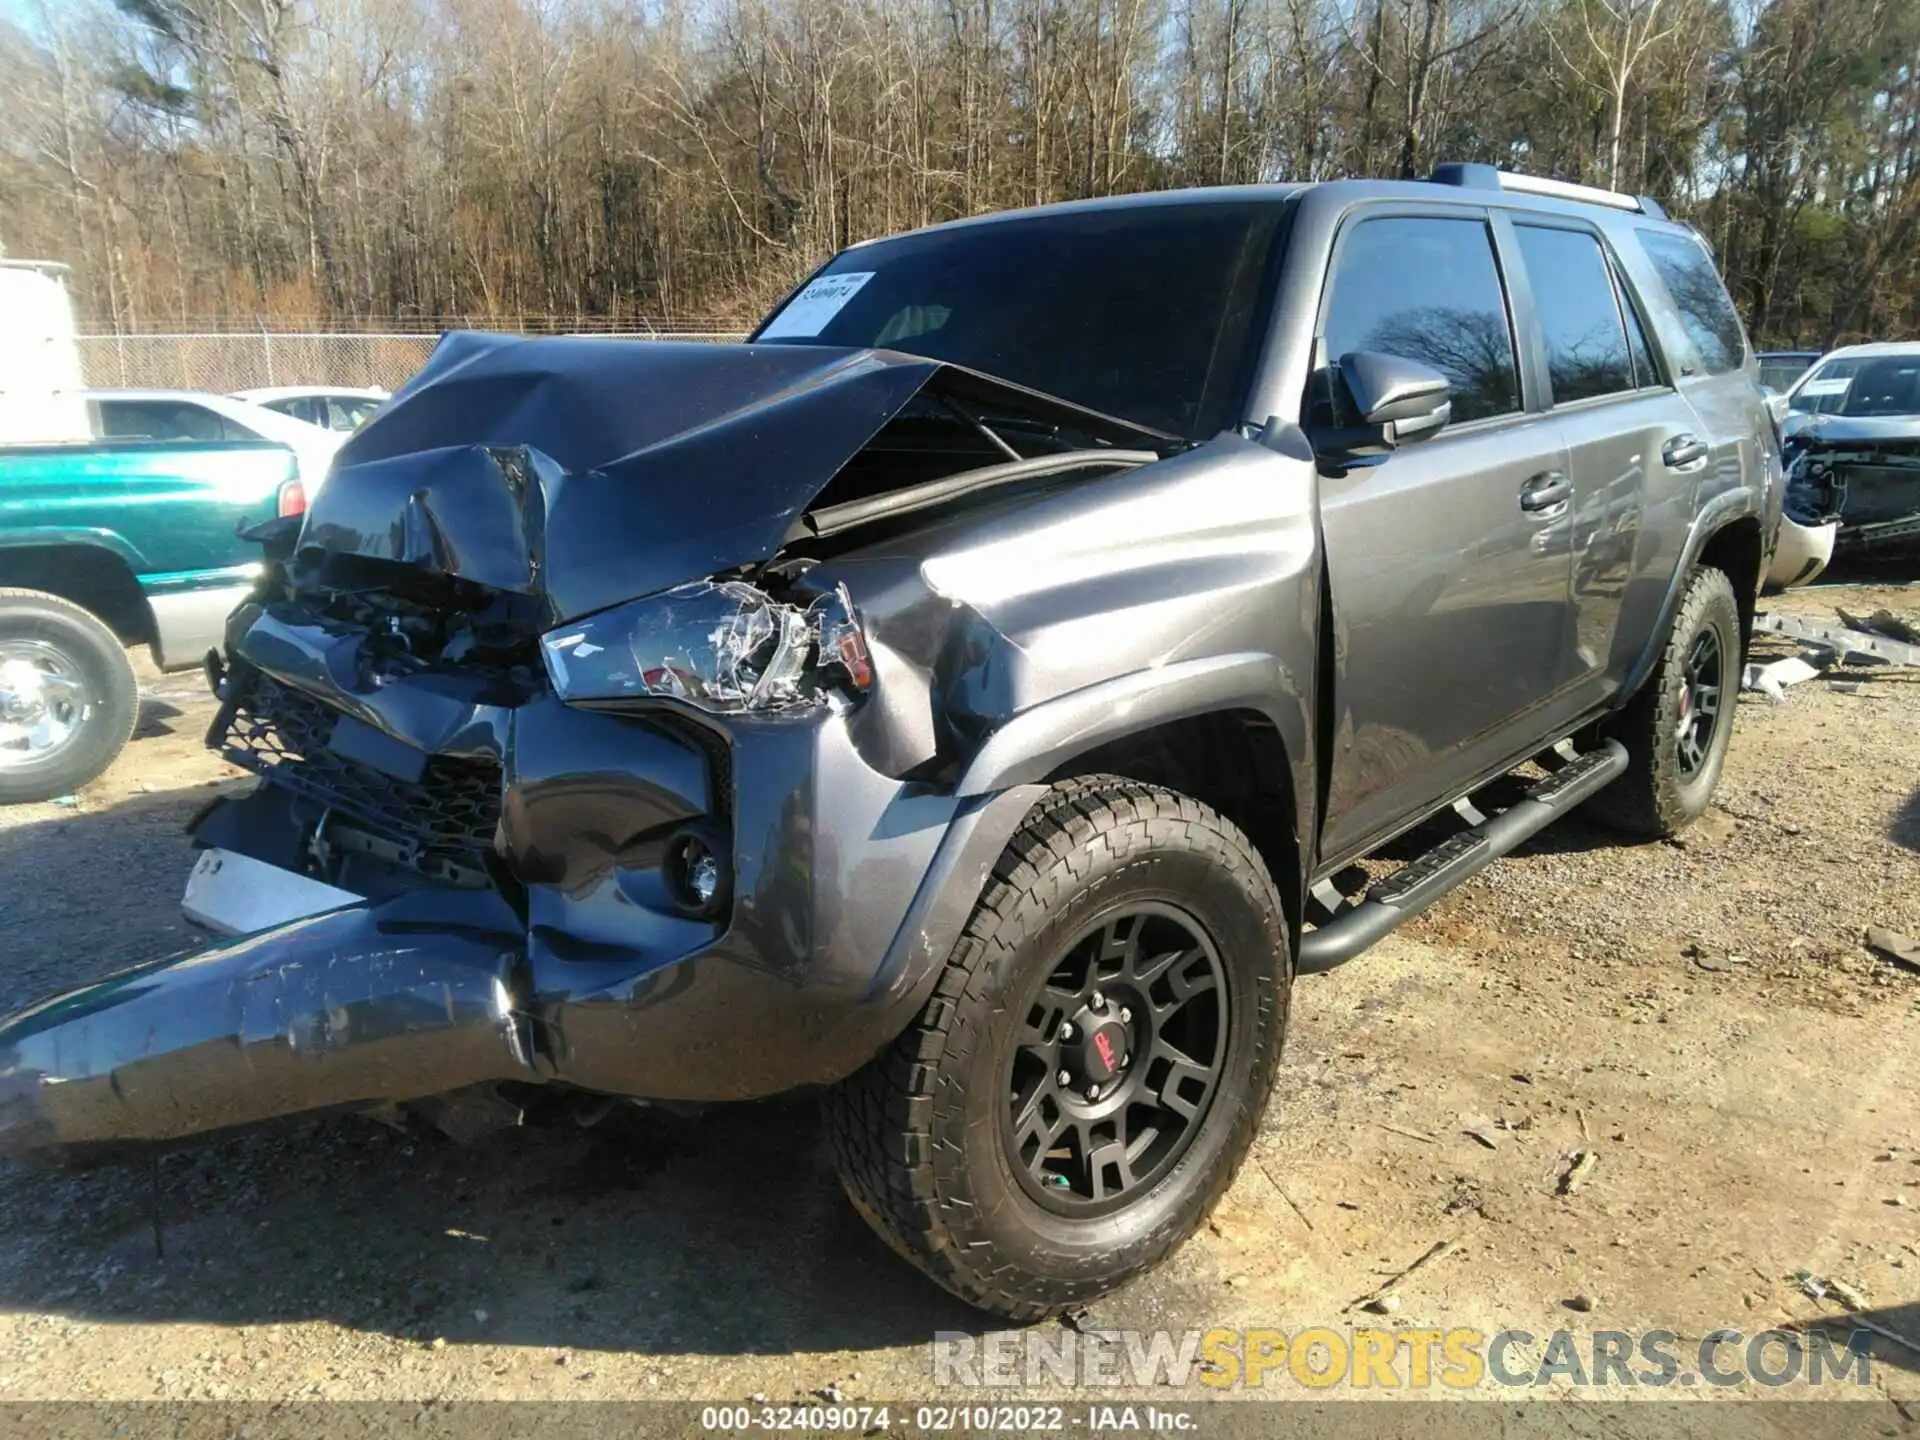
[{"x": 108, "y": 546}]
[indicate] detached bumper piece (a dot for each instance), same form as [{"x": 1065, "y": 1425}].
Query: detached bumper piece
[{"x": 336, "y": 1011}]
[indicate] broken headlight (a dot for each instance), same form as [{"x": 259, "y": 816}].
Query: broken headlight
[{"x": 724, "y": 646}]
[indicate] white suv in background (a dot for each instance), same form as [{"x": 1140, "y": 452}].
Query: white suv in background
[
  {"x": 199, "y": 415},
  {"x": 331, "y": 407}
]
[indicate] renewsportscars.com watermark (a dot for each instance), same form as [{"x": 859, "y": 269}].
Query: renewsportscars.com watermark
[{"x": 1322, "y": 1357}]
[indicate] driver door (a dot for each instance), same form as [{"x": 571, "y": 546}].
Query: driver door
[{"x": 1451, "y": 559}]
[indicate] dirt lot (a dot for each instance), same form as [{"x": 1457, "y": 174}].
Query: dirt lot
[{"x": 1702, "y": 1014}]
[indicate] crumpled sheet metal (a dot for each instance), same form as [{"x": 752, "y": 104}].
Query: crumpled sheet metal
[
  {"x": 1852, "y": 646},
  {"x": 590, "y": 471},
  {"x": 336, "y": 1010},
  {"x": 1772, "y": 680}
]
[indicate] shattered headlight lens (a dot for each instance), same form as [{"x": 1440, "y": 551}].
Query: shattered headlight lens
[{"x": 725, "y": 646}]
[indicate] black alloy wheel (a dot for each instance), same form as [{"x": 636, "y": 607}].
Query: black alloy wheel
[
  {"x": 1117, "y": 1063},
  {"x": 1092, "y": 1063},
  {"x": 1700, "y": 691}
]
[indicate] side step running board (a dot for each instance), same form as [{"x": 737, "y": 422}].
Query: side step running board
[{"x": 1400, "y": 896}]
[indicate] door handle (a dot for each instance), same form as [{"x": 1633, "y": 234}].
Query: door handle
[
  {"x": 1682, "y": 451},
  {"x": 1545, "y": 491}
]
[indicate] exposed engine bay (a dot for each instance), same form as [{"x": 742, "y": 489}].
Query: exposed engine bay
[{"x": 1861, "y": 473}]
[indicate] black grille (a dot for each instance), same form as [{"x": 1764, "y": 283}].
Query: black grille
[{"x": 280, "y": 734}]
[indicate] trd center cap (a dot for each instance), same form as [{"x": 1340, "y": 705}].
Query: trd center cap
[{"x": 1104, "y": 1052}]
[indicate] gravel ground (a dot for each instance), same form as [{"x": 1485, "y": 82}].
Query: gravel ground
[{"x": 1701, "y": 1013}]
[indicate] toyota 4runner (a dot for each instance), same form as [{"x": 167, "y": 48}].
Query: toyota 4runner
[{"x": 969, "y": 697}]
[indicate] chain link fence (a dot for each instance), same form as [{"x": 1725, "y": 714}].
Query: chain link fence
[{"x": 251, "y": 359}]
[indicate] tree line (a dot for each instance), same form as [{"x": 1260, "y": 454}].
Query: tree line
[{"x": 404, "y": 161}]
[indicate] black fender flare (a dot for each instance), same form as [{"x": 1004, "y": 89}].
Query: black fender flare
[
  {"x": 1007, "y": 777},
  {"x": 1718, "y": 513},
  {"x": 1037, "y": 742}
]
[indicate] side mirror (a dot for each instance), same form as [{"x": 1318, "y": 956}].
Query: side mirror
[{"x": 1400, "y": 398}]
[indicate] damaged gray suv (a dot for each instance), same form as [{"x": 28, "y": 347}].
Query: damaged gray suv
[{"x": 969, "y": 698}]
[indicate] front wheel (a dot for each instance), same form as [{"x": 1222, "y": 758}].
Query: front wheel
[
  {"x": 67, "y": 697},
  {"x": 1677, "y": 726},
  {"x": 1093, "y": 1064}
]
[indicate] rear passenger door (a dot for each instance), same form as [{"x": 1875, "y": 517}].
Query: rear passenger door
[
  {"x": 1630, "y": 437},
  {"x": 1706, "y": 358},
  {"x": 1449, "y": 578}
]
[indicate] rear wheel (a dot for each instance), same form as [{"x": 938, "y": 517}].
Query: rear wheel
[
  {"x": 1677, "y": 727},
  {"x": 67, "y": 696},
  {"x": 1093, "y": 1064}
]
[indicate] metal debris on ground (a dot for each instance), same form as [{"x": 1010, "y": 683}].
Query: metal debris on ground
[
  {"x": 1901, "y": 949},
  {"x": 1772, "y": 680},
  {"x": 1853, "y": 647},
  {"x": 1579, "y": 1172},
  {"x": 1883, "y": 623}
]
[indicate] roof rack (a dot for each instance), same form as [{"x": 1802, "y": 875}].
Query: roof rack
[{"x": 1487, "y": 177}]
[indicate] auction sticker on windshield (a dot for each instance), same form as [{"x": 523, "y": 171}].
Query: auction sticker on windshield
[{"x": 807, "y": 314}]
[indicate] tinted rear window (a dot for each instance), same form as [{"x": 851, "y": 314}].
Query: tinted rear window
[
  {"x": 1146, "y": 313},
  {"x": 1579, "y": 313},
  {"x": 1701, "y": 299}
]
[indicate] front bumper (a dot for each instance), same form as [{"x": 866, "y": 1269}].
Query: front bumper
[
  {"x": 576, "y": 966},
  {"x": 1801, "y": 552}
]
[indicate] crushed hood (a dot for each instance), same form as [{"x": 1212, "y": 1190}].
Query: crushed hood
[{"x": 592, "y": 471}]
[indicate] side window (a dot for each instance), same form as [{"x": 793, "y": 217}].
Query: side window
[
  {"x": 1646, "y": 370},
  {"x": 195, "y": 422},
  {"x": 1427, "y": 288},
  {"x": 122, "y": 420},
  {"x": 1573, "y": 293},
  {"x": 1687, "y": 270}
]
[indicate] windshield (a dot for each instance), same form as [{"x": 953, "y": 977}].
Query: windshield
[
  {"x": 1145, "y": 312},
  {"x": 1859, "y": 385}
]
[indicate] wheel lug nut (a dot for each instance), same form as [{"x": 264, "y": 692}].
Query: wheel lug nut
[
  {"x": 1093, "y": 1092},
  {"x": 1097, "y": 1001},
  {"x": 1126, "y": 1015},
  {"x": 1065, "y": 1077},
  {"x": 1066, "y": 1031}
]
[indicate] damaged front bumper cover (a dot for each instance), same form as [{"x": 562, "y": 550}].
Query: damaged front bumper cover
[
  {"x": 338, "y": 1010},
  {"x": 514, "y": 834},
  {"x": 847, "y": 890},
  {"x": 1853, "y": 484}
]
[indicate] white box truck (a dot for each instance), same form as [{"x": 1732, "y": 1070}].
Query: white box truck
[{"x": 42, "y": 400}]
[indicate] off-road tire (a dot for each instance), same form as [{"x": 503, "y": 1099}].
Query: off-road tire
[
  {"x": 114, "y": 696},
  {"x": 1654, "y": 798},
  {"x": 915, "y": 1134}
]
